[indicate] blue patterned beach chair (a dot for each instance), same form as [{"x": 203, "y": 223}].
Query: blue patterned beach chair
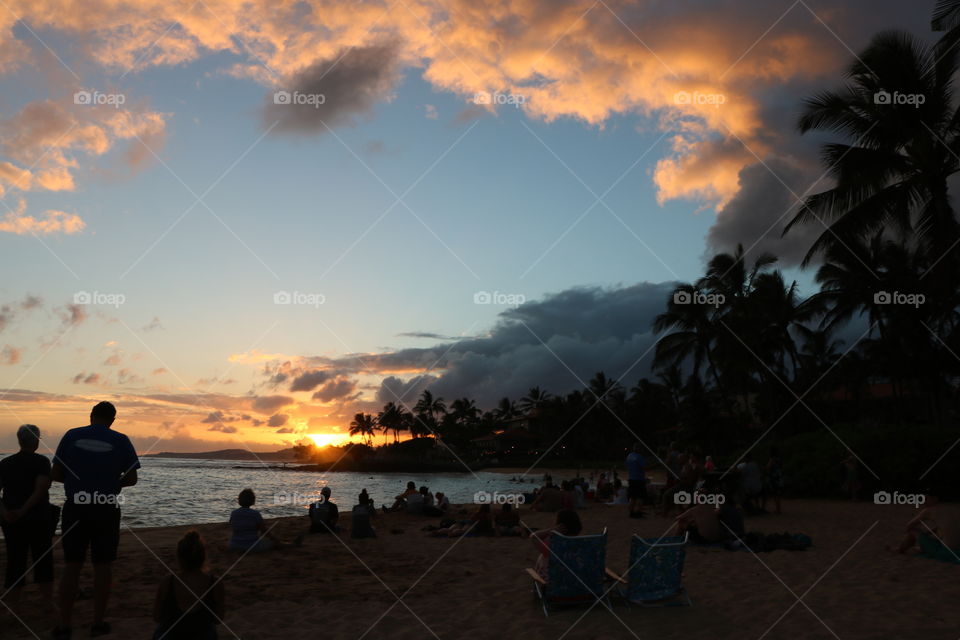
[
  {"x": 575, "y": 573},
  {"x": 655, "y": 575}
]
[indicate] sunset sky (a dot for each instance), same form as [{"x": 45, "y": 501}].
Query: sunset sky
[{"x": 234, "y": 268}]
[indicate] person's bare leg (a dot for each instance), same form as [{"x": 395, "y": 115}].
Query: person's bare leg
[
  {"x": 68, "y": 592},
  {"x": 909, "y": 540},
  {"x": 102, "y": 574}
]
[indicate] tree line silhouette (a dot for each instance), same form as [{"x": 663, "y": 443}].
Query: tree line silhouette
[{"x": 740, "y": 350}]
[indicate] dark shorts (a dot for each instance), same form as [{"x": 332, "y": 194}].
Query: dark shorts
[
  {"x": 636, "y": 489},
  {"x": 96, "y": 526}
]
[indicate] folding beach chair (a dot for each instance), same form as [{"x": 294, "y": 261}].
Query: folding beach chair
[
  {"x": 655, "y": 574},
  {"x": 575, "y": 573}
]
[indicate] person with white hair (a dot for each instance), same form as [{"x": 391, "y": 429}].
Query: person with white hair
[{"x": 27, "y": 517}]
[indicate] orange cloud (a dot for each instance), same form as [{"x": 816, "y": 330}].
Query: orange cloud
[
  {"x": 51, "y": 222},
  {"x": 551, "y": 58}
]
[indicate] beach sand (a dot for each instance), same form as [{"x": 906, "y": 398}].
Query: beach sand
[{"x": 475, "y": 588}]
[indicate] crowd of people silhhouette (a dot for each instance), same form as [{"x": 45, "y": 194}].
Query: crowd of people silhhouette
[{"x": 95, "y": 463}]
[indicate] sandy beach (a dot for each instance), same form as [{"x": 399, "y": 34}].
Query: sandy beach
[{"x": 475, "y": 588}]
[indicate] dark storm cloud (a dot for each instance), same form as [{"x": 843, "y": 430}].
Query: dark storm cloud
[
  {"x": 757, "y": 215},
  {"x": 340, "y": 389},
  {"x": 309, "y": 380},
  {"x": 554, "y": 343},
  {"x": 332, "y": 92}
]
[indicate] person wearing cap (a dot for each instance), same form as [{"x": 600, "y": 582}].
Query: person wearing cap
[
  {"x": 94, "y": 463},
  {"x": 26, "y": 521}
]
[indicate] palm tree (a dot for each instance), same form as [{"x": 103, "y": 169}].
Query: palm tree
[
  {"x": 364, "y": 425},
  {"x": 506, "y": 409},
  {"x": 428, "y": 405},
  {"x": 464, "y": 411},
  {"x": 893, "y": 173},
  {"x": 535, "y": 399},
  {"x": 393, "y": 418},
  {"x": 695, "y": 331}
]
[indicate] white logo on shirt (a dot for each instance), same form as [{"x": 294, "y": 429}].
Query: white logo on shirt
[{"x": 94, "y": 446}]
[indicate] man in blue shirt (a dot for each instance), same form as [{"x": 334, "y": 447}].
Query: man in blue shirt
[
  {"x": 636, "y": 476},
  {"x": 94, "y": 463}
]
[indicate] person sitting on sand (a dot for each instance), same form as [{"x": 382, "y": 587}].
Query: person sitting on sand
[
  {"x": 707, "y": 524},
  {"x": 189, "y": 604},
  {"x": 415, "y": 502},
  {"x": 361, "y": 518},
  {"x": 620, "y": 495},
  {"x": 400, "y": 501},
  {"x": 687, "y": 482},
  {"x": 567, "y": 524},
  {"x": 324, "y": 514},
  {"x": 507, "y": 522},
  {"x": 567, "y": 498},
  {"x": 547, "y": 500},
  {"x": 937, "y": 525},
  {"x": 249, "y": 533},
  {"x": 430, "y": 507},
  {"x": 443, "y": 502},
  {"x": 479, "y": 524}
]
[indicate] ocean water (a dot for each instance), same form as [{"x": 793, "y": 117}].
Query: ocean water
[{"x": 177, "y": 491}]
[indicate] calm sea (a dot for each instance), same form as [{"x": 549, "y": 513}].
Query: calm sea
[{"x": 176, "y": 491}]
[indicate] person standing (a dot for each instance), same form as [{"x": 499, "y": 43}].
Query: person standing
[
  {"x": 636, "y": 481},
  {"x": 27, "y": 516},
  {"x": 94, "y": 463}
]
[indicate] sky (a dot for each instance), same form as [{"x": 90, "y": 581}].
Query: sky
[{"x": 243, "y": 222}]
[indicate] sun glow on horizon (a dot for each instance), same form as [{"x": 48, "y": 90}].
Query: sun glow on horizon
[{"x": 328, "y": 439}]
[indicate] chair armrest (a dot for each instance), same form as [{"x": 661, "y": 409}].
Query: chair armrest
[
  {"x": 614, "y": 575},
  {"x": 536, "y": 576}
]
